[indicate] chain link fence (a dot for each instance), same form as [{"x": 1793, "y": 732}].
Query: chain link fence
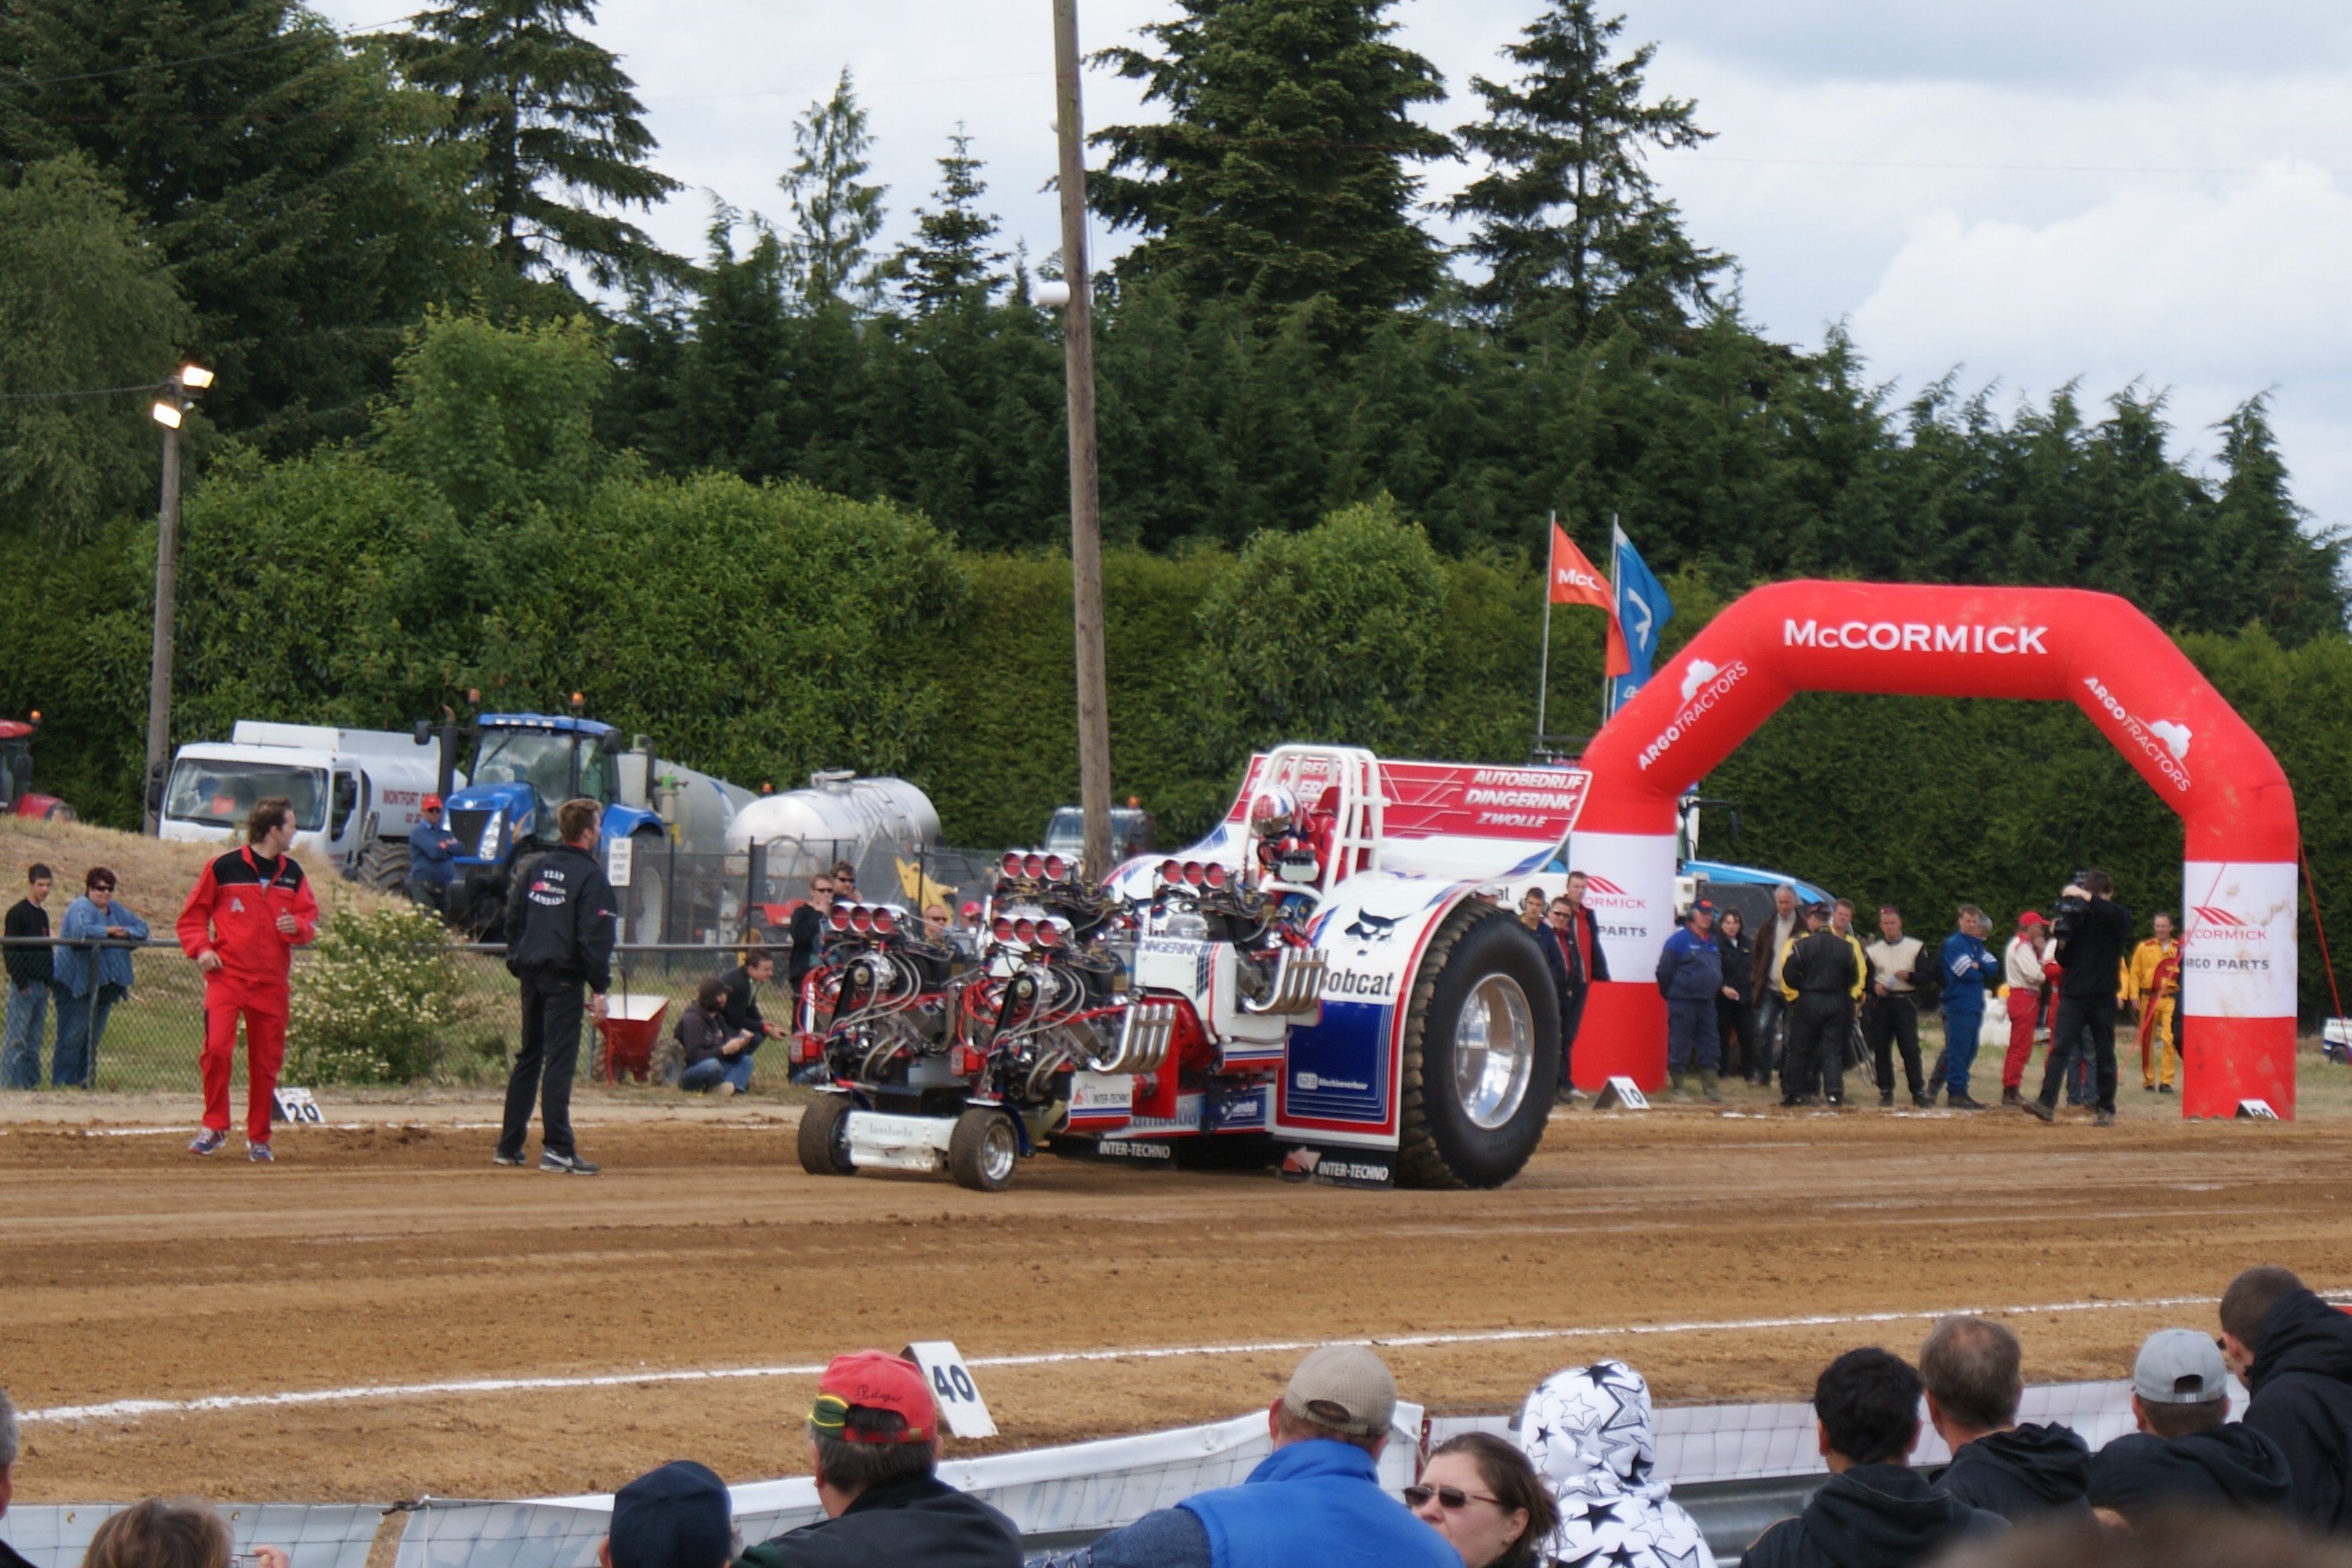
[{"x": 146, "y": 1039}]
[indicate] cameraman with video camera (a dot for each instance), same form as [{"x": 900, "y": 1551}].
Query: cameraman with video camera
[{"x": 2093, "y": 933}]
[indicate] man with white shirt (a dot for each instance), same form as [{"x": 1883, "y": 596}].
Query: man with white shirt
[
  {"x": 1890, "y": 1012},
  {"x": 2021, "y": 968}
]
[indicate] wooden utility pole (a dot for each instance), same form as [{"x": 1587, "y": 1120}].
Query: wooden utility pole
[
  {"x": 1085, "y": 520},
  {"x": 159, "y": 660}
]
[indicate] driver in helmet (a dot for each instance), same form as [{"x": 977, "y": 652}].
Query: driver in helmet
[{"x": 1274, "y": 823}]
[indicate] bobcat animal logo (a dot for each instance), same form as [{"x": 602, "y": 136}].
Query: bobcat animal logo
[
  {"x": 1369, "y": 927},
  {"x": 1699, "y": 673}
]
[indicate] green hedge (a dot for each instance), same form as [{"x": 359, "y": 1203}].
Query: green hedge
[{"x": 763, "y": 631}]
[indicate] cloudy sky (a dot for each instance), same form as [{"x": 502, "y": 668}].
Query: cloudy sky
[{"x": 2156, "y": 191}]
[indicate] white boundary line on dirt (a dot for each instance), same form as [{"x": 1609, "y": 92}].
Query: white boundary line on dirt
[{"x": 127, "y": 1409}]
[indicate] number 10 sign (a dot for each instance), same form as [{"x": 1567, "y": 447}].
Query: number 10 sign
[{"x": 960, "y": 1406}]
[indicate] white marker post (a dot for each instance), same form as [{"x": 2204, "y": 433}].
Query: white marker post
[{"x": 960, "y": 1406}]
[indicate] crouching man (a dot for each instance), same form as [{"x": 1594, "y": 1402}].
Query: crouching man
[{"x": 874, "y": 1438}]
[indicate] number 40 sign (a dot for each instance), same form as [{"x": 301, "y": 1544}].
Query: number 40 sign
[{"x": 960, "y": 1406}]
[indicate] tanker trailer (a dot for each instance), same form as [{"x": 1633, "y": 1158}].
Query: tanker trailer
[{"x": 882, "y": 826}]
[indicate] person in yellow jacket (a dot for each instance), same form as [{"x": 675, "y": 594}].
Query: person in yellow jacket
[
  {"x": 1842, "y": 922},
  {"x": 2154, "y": 982}
]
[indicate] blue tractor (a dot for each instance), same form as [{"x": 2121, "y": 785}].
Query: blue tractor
[{"x": 523, "y": 765}]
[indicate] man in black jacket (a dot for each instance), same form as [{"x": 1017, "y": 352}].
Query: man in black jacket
[
  {"x": 31, "y": 984},
  {"x": 1824, "y": 970},
  {"x": 1574, "y": 954},
  {"x": 808, "y": 929},
  {"x": 2293, "y": 1353},
  {"x": 2090, "y": 950},
  {"x": 561, "y": 916},
  {"x": 874, "y": 1439},
  {"x": 2188, "y": 1455},
  {"x": 741, "y": 1009},
  {"x": 1973, "y": 1370},
  {"x": 1875, "y": 1511}
]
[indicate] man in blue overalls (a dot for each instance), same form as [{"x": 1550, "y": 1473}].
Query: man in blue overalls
[{"x": 1968, "y": 971}]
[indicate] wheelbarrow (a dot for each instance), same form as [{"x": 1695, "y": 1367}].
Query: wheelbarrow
[{"x": 631, "y": 1025}]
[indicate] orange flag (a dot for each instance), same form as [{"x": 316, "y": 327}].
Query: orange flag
[{"x": 1574, "y": 582}]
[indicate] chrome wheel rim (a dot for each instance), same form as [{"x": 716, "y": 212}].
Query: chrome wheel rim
[
  {"x": 1494, "y": 1051},
  {"x": 998, "y": 1151}
]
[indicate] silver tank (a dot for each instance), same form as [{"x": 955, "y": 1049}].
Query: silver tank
[
  {"x": 838, "y": 817},
  {"x": 701, "y": 809}
]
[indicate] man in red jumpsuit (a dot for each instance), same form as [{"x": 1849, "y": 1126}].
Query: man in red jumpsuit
[{"x": 242, "y": 922}]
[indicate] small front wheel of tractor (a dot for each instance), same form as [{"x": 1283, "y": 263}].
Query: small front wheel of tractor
[
  {"x": 983, "y": 1150},
  {"x": 824, "y": 1136}
]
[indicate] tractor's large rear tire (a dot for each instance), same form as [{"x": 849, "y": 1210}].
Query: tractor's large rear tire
[
  {"x": 1481, "y": 1053},
  {"x": 383, "y": 864},
  {"x": 824, "y": 1136}
]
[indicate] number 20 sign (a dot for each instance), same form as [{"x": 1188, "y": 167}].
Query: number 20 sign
[{"x": 960, "y": 1406}]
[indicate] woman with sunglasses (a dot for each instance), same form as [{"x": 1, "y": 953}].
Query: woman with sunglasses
[
  {"x": 1586, "y": 1430},
  {"x": 1483, "y": 1496}
]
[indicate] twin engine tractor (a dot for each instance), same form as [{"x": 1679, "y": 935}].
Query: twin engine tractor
[{"x": 1316, "y": 983}]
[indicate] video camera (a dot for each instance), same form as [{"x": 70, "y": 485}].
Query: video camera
[{"x": 2067, "y": 918}]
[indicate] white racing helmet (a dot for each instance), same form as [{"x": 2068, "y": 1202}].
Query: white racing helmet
[{"x": 1272, "y": 811}]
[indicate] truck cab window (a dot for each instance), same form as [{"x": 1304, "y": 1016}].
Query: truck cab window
[
  {"x": 347, "y": 800},
  {"x": 596, "y": 773}
]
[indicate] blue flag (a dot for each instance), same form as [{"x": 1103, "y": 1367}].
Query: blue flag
[{"x": 1643, "y": 609}]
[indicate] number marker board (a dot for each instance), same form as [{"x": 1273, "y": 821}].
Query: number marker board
[
  {"x": 960, "y": 1406},
  {"x": 296, "y": 1105},
  {"x": 1620, "y": 1094}
]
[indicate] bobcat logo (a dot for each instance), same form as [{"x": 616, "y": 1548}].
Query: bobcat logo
[{"x": 1369, "y": 927}]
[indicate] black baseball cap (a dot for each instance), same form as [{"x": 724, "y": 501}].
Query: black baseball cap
[{"x": 673, "y": 1517}]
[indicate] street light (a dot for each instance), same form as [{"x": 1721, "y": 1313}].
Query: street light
[{"x": 170, "y": 411}]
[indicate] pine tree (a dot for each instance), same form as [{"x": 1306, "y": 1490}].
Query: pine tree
[
  {"x": 2291, "y": 580},
  {"x": 287, "y": 178},
  {"x": 1568, "y": 222},
  {"x": 555, "y": 117},
  {"x": 833, "y": 217},
  {"x": 948, "y": 259},
  {"x": 1280, "y": 172}
]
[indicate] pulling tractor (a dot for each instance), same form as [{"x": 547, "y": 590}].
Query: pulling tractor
[{"x": 1316, "y": 983}]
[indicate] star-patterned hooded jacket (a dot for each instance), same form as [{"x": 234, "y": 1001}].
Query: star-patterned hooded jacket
[{"x": 1586, "y": 1430}]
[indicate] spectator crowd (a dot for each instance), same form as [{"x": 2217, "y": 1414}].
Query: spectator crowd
[
  {"x": 1805, "y": 998},
  {"x": 1578, "y": 1487},
  {"x": 80, "y": 971}
]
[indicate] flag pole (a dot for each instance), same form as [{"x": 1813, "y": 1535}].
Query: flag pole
[
  {"x": 1609, "y": 681},
  {"x": 1543, "y": 676}
]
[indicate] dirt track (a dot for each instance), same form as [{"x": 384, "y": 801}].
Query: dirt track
[{"x": 398, "y": 1255}]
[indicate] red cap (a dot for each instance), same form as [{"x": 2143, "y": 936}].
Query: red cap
[
  {"x": 2031, "y": 918},
  {"x": 972, "y": 912},
  {"x": 872, "y": 1396},
  {"x": 430, "y": 803}
]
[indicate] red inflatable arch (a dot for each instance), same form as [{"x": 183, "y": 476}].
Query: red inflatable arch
[{"x": 2053, "y": 644}]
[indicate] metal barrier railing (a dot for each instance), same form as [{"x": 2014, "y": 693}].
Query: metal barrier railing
[{"x": 147, "y": 1039}]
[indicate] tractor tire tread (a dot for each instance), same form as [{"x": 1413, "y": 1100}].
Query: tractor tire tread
[
  {"x": 820, "y": 1127},
  {"x": 1420, "y": 1161}
]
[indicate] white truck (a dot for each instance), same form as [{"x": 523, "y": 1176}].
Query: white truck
[{"x": 356, "y": 793}]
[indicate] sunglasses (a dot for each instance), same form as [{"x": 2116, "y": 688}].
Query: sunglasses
[
  {"x": 837, "y": 1417},
  {"x": 1452, "y": 1500}
]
